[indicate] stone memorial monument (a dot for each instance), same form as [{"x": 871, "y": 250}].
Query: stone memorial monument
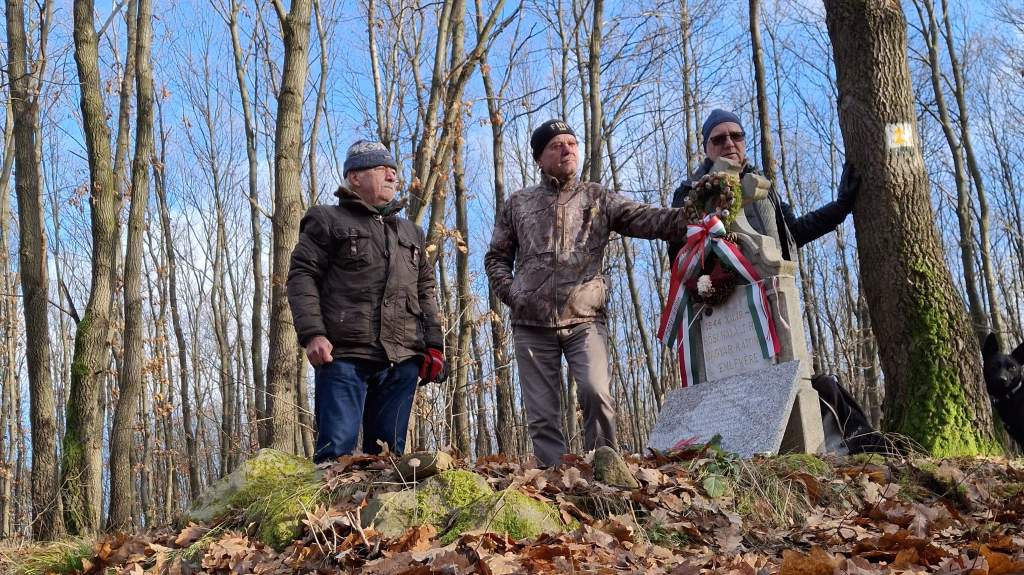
[{"x": 735, "y": 311}]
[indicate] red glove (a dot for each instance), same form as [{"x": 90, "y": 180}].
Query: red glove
[{"x": 433, "y": 367}]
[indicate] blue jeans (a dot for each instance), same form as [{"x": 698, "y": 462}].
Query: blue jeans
[{"x": 350, "y": 391}]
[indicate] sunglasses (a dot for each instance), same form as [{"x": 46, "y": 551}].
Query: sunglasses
[{"x": 720, "y": 139}]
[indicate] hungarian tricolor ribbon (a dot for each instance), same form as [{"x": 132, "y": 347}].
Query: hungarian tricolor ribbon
[{"x": 677, "y": 317}]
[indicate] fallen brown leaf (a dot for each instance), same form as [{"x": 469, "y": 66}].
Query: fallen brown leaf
[{"x": 817, "y": 562}]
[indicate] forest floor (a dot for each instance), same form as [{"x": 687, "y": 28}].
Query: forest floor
[{"x": 696, "y": 511}]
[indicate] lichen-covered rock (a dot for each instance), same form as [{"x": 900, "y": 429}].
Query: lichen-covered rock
[
  {"x": 610, "y": 469},
  {"x": 423, "y": 464},
  {"x": 272, "y": 489},
  {"x": 458, "y": 501}
]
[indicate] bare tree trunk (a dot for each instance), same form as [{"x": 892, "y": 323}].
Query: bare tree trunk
[
  {"x": 959, "y": 91},
  {"x": 80, "y": 465},
  {"x": 483, "y": 434},
  {"x": 321, "y": 95},
  {"x": 126, "y": 413},
  {"x": 191, "y": 451},
  {"x": 281, "y": 363},
  {"x": 594, "y": 68},
  {"x": 934, "y": 393},
  {"x": 32, "y": 266},
  {"x": 8, "y": 324},
  {"x": 256, "y": 344},
  {"x": 963, "y": 207},
  {"x": 218, "y": 307},
  {"x": 420, "y": 194},
  {"x": 433, "y": 152},
  {"x": 383, "y": 119},
  {"x": 504, "y": 396},
  {"x": 767, "y": 158},
  {"x": 451, "y": 397},
  {"x": 463, "y": 296}
]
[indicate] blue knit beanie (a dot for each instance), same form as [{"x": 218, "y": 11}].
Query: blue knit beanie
[
  {"x": 364, "y": 155},
  {"x": 716, "y": 117}
]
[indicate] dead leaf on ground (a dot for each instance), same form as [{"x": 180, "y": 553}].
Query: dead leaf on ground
[{"x": 817, "y": 562}]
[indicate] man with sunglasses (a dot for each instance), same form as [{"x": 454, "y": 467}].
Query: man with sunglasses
[{"x": 724, "y": 137}]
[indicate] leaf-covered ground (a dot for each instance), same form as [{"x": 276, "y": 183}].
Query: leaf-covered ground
[{"x": 697, "y": 511}]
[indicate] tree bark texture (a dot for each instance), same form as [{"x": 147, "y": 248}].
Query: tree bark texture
[
  {"x": 32, "y": 265},
  {"x": 184, "y": 380},
  {"x": 767, "y": 157},
  {"x": 594, "y": 69},
  {"x": 504, "y": 396},
  {"x": 80, "y": 460},
  {"x": 256, "y": 343},
  {"x": 934, "y": 394},
  {"x": 131, "y": 376},
  {"x": 283, "y": 347}
]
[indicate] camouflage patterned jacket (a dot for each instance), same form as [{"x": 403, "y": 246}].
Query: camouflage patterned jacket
[{"x": 545, "y": 258}]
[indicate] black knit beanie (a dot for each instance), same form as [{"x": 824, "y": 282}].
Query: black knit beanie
[{"x": 545, "y": 133}]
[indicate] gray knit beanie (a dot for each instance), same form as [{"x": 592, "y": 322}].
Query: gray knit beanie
[
  {"x": 716, "y": 117},
  {"x": 365, "y": 154}
]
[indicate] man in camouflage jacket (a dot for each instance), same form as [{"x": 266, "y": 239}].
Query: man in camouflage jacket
[
  {"x": 362, "y": 298},
  {"x": 545, "y": 263}
]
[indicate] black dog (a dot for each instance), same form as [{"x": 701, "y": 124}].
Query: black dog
[{"x": 1005, "y": 385}]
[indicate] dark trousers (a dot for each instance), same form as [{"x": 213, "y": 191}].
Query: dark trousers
[
  {"x": 350, "y": 392},
  {"x": 539, "y": 352}
]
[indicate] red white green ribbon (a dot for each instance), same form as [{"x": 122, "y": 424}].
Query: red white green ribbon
[{"x": 677, "y": 317}]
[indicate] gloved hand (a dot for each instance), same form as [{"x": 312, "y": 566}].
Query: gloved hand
[
  {"x": 433, "y": 368},
  {"x": 849, "y": 186}
]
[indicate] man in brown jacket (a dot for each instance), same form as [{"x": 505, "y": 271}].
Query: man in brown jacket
[
  {"x": 362, "y": 298},
  {"x": 545, "y": 263}
]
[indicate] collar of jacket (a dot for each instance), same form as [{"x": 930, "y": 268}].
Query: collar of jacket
[
  {"x": 350, "y": 198},
  {"x": 556, "y": 185},
  {"x": 705, "y": 167}
]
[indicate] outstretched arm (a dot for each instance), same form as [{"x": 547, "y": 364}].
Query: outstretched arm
[{"x": 823, "y": 220}]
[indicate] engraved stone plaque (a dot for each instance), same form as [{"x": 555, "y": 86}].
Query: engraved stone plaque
[
  {"x": 728, "y": 339},
  {"x": 750, "y": 411}
]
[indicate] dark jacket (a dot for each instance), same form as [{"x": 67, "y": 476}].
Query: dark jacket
[
  {"x": 546, "y": 252},
  {"x": 788, "y": 230},
  {"x": 359, "y": 278}
]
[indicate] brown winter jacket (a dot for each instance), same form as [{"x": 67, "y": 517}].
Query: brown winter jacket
[
  {"x": 554, "y": 238},
  {"x": 360, "y": 279}
]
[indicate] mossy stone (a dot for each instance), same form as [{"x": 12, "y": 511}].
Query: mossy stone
[
  {"x": 610, "y": 469},
  {"x": 272, "y": 489},
  {"x": 457, "y": 501}
]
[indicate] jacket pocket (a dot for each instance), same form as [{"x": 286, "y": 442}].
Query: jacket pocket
[
  {"x": 350, "y": 248},
  {"x": 413, "y": 322},
  {"x": 350, "y": 325},
  {"x": 530, "y": 294},
  {"x": 410, "y": 257},
  {"x": 587, "y": 300}
]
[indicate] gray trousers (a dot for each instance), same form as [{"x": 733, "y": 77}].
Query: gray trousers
[{"x": 539, "y": 353}]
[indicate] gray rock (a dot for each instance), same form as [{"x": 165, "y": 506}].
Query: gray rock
[
  {"x": 423, "y": 464},
  {"x": 610, "y": 469}
]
